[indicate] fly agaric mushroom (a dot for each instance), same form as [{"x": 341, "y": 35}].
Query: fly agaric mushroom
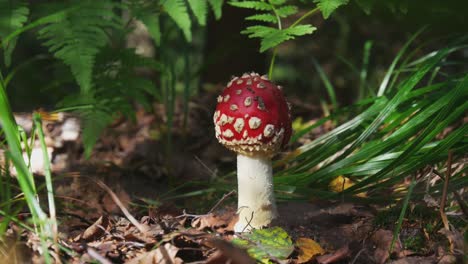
[{"x": 252, "y": 118}]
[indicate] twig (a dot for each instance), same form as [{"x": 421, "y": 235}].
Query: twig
[
  {"x": 124, "y": 210},
  {"x": 444, "y": 192},
  {"x": 459, "y": 199},
  {"x": 222, "y": 200}
]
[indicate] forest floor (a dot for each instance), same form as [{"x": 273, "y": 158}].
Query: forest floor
[{"x": 110, "y": 208}]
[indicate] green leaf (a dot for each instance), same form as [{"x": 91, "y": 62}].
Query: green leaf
[
  {"x": 286, "y": 11},
  {"x": 94, "y": 124},
  {"x": 13, "y": 15},
  {"x": 366, "y": 5},
  {"x": 151, "y": 22},
  {"x": 177, "y": 10},
  {"x": 216, "y": 6},
  {"x": 256, "y": 5},
  {"x": 200, "y": 10},
  {"x": 263, "y": 17},
  {"x": 78, "y": 36},
  {"x": 327, "y": 7},
  {"x": 264, "y": 244},
  {"x": 279, "y": 36}
]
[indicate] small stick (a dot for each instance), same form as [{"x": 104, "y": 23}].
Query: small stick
[
  {"x": 459, "y": 199},
  {"x": 117, "y": 201},
  {"x": 444, "y": 192},
  {"x": 225, "y": 196}
]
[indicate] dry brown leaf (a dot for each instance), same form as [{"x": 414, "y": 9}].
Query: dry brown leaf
[
  {"x": 336, "y": 256},
  {"x": 165, "y": 254},
  {"x": 96, "y": 230},
  {"x": 455, "y": 239},
  {"x": 228, "y": 253},
  {"x": 308, "y": 249},
  {"x": 221, "y": 222},
  {"x": 382, "y": 240}
]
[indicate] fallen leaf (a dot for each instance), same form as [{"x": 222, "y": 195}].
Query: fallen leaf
[
  {"x": 228, "y": 253},
  {"x": 96, "y": 230},
  {"x": 336, "y": 256},
  {"x": 221, "y": 222},
  {"x": 455, "y": 239},
  {"x": 263, "y": 244},
  {"x": 164, "y": 254},
  {"x": 308, "y": 249},
  {"x": 383, "y": 240},
  {"x": 341, "y": 183}
]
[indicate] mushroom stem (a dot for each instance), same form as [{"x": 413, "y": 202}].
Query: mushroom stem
[{"x": 256, "y": 200}]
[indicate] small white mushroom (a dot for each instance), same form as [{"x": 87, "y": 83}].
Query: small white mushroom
[
  {"x": 248, "y": 101},
  {"x": 269, "y": 130},
  {"x": 239, "y": 125},
  {"x": 254, "y": 122}
]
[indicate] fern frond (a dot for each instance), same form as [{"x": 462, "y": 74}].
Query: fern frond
[
  {"x": 149, "y": 14},
  {"x": 78, "y": 37},
  {"x": 13, "y": 15},
  {"x": 216, "y": 6},
  {"x": 178, "y": 11},
  {"x": 256, "y": 5},
  {"x": 263, "y": 18},
  {"x": 200, "y": 10},
  {"x": 286, "y": 11},
  {"x": 272, "y": 37},
  {"x": 327, "y": 7}
]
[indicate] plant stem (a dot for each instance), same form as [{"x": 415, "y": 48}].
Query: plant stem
[{"x": 299, "y": 20}]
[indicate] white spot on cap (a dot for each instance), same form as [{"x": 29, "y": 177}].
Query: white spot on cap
[
  {"x": 228, "y": 133},
  {"x": 240, "y": 81},
  {"x": 246, "y": 116},
  {"x": 269, "y": 130},
  {"x": 226, "y": 98},
  {"x": 223, "y": 120},
  {"x": 261, "y": 85},
  {"x": 218, "y": 130},
  {"x": 249, "y": 81},
  {"x": 239, "y": 125},
  {"x": 220, "y": 98},
  {"x": 279, "y": 87},
  {"x": 230, "y": 119},
  {"x": 264, "y": 77},
  {"x": 254, "y": 122},
  {"x": 245, "y": 75},
  {"x": 234, "y": 107},
  {"x": 245, "y": 134},
  {"x": 215, "y": 116},
  {"x": 248, "y": 101},
  {"x": 239, "y": 91}
]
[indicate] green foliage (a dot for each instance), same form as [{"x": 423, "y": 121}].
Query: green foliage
[
  {"x": 272, "y": 13},
  {"x": 13, "y": 15},
  {"x": 327, "y": 7},
  {"x": 77, "y": 38},
  {"x": 266, "y": 244},
  {"x": 394, "y": 137}
]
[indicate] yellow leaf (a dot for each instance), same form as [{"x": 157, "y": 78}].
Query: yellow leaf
[
  {"x": 342, "y": 183},
  {"x": 308, "y": 249}
]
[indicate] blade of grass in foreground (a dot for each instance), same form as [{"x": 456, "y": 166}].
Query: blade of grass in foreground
[{"x": 24, "y": 176}]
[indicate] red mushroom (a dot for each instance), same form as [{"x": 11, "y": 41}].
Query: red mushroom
[{"x": 252, "y": 118}]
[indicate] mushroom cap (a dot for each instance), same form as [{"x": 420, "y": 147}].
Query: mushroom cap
[{"x": 252, "y": 116}]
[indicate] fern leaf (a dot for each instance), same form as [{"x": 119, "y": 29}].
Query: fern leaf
[
  {"x": 177, "y": 10},
  {"x": 151, "y": 22},
  {"x": 269, "y": 18},
  {"x": 300, "y": 30},
  {"x": 200, "y": 10},
  {"x": 78, "y": 37},
  {"x": 329, "y": 6},
  {"x": 13, "y": 14},
  {"x": 216, "y": 6},
  {"x": 262, "y": 6},
  {"x": 259, "y": 31},
  {"x": 277, "y": 2},
  {"x": 286, "y": 11}
]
